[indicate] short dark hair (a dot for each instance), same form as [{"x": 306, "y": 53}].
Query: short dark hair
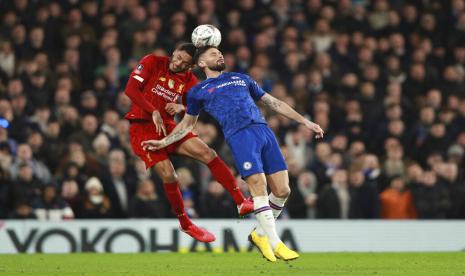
[
  {"x": 189, "y": 48},
  {"x": 200, "y": 51}
]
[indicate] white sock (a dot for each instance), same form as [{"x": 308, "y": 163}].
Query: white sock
[
  {"x": 266, "y": 219},
  {"x": 276, "y": 204}
]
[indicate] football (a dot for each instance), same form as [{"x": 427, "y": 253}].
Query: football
[{"x": 206, "y": 34}]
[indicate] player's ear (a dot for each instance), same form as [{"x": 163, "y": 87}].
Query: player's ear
[{"x": 201, "y": 63}]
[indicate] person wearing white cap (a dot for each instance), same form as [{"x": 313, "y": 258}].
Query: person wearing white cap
[{"x": 95, "y": 204}]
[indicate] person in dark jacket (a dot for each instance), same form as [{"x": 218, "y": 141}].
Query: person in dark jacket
[
  {"x": 146, "y": 203},
  {"x": 95, "y": 204},
  {"x": 22, "y": 211},
  {"x": 448, "y": 174},
  {"x": 334, "y": 200},
  {"x": 216, "y": 203},
  {"x": 117, "y": 184},
  {"x": 364, "y": 198},
  {"x": 431, "y": 197}
]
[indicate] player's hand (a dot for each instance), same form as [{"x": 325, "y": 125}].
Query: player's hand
[
  {"x": 152, "y": 145},
  {"x": 158, "y": 121},
  {"x": 174, "y": 108},
  {"x": 319, "y": 133}
]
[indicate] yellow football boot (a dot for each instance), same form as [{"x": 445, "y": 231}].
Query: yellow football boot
[
  {"x": 263, "y": 245},
  {"x": 282, "y": 252}
]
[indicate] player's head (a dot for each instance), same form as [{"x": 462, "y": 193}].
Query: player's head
[
  {"x": 181, "y": 59},
  {"x": 209, "y": 57}
]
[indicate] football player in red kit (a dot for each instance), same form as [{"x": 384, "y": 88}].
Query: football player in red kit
[{"x": 154, "y": 88}]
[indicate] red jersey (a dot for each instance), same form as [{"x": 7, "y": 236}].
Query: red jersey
[{"x": 152, "y": 85}]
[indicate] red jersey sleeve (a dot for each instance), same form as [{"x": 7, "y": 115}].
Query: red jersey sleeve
[
  {"x": 138, "y": 79},
  {"x": 191, "y": 83}
]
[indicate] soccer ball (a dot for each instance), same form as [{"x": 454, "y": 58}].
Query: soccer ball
[{"x": 206, "y": 34}]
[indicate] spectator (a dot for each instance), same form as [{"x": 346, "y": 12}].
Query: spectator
[
  {"x": 26, "y": 188},
  {"x": 4, "y": 124},
  {"x": 70, "y": 193},
  {"x": 118, "y": 185},
  {"x": 215, "y": 203},
  {"x": 189, "y": 189},
  {"x": 295, "y": 205},
  {"x": 334, "y": 199},
  {"x": 101, "y": 147},
  {"x": 95, "y": 204},
  {"x": 448, "y": 173},
  {"x": 397, "y": 201},
  {"x": 22, "y": 211},
  {"x": 4, "y": 192},
  {"x": 296, "y": 144},
  {"x": 436, "y": 141},
  {"x": 323, "y": 154},
  {"x": 86, "y": 165},
  {"x": 24, "y": 156},
  {"x": 146, "y": 203},
  {"x": 364, "y": 197},
  {"x": 431, "y": 197},
  {"x": 307, "y": 187},
  {"x": 394, "y": 164},
  {"x": 371, "y": 170},
  {"x": 7, "y": 58},
  {"x": 109, "y": 126},
  {"x": 89, "y": 126},
  {"x": 50, "y": 206}
]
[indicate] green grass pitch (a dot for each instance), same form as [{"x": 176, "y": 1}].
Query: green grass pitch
[{"x": 234, "y": 264}]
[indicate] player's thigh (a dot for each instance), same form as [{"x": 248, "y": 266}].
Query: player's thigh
[
  {"x": 196, "y": 149},
  {"x": 279, "y": 183},
  {"x": 246, "y": 148},
  {"x": 257, "y": 184},
  {"x": 272, "y": 157},
  {"x": 139, "y": 132},
  {"x": 165, "y": 171}
]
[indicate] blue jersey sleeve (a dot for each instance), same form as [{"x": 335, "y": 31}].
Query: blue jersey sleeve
[
  {"x": 194, "y": 104},
  {"x": 255, "y": 90}
]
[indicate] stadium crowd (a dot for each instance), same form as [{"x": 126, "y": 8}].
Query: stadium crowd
[{"x": 384, "y": 79}]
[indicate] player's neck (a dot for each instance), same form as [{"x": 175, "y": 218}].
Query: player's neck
[{"x": 212, "y": 74}]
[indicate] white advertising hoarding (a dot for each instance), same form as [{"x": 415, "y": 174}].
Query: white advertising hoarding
[{"x": 164, "y": 236}]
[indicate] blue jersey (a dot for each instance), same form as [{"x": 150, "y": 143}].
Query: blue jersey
[{"x": 229, "y": 98}]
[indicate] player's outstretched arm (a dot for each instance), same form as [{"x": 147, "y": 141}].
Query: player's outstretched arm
[
  {"x": 182, "y": 129},
  {"x": 284, "y": 109}
]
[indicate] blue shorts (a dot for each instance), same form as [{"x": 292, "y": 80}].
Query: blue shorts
[{"x": 256, "y": 150}]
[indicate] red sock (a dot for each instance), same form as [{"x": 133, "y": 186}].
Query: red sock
[
  {"x": 223, "y": 175},
  {"x": 177, "y": 205}
]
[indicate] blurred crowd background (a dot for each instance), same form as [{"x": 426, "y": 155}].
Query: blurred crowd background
[{"x": 384, "y": 79}]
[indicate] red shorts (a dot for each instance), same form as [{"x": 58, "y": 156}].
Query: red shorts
[{"x": 140, "y": 131}]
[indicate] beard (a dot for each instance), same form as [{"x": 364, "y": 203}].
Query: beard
[
  {"x": 218, "y": 67},
  {"x": 174, "y": 69}
]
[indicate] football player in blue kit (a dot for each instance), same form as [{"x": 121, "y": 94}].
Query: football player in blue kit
[{"x": 230, "y": 99}]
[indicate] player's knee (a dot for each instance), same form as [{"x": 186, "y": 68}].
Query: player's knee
[
  {"x": 282, "y": 192},
  {"x": 167, "y": 174},
  {"x": 206, "y": 154},
  {"x": 169, "y": 178},
  {"x": 256, "y": 185}
]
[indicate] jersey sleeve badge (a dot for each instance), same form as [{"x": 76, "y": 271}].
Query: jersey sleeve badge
[{"x": 139, "y": 69}]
